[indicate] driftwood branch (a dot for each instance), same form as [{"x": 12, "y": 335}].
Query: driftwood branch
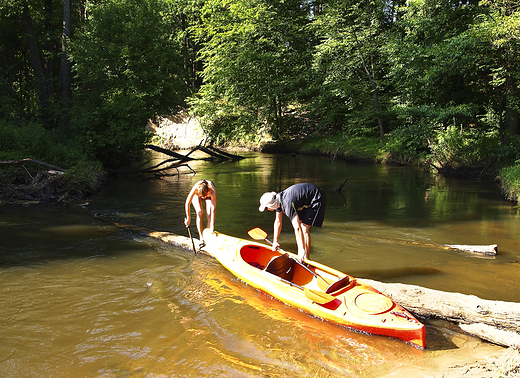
[
  {"x": 43, "y": 164},
  {"x": 494, "y": 321},
  {"x": 490, "y": 250},
  {"x": 339, "y": 188},
  {"x": 219, "y": 153},
  {"x": 210, "y": 150},
  {"x": 156, "y": 169},
  {"x": 168, "y": 152}
]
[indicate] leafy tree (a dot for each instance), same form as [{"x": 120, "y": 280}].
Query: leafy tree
[
  {"x": 351, "y": 62},
  {"x": 30, "y": 66},
  {"x": 256, "y": 56},
  {"x": 128, "y": 68},
  {"x": 453, "y": 65}
]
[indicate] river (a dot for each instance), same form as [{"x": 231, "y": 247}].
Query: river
[{"x": 83, "y": 297}]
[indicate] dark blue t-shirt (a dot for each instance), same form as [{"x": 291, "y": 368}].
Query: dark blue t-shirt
[{"x": 305, "y": 200}]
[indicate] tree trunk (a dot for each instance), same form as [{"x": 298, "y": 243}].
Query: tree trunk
[
  {"x": 34, "y": 53},
  {"x": 65, "y": 64},
  {"x": 373, "y": 84},
  {"x": 495, "y": 321}
]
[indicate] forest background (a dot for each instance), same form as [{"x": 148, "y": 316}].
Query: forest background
[{"x": 428, "y": 82}]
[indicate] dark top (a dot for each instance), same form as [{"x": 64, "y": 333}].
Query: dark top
[{"x": 305, "y": 200}]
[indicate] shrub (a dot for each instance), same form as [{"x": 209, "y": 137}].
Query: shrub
[
  {"x": 456, "y": 147},
  {"x": 510, "y": 182}
]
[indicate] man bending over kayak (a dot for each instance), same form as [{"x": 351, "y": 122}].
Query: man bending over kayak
[{"x": 304, "y": 204}]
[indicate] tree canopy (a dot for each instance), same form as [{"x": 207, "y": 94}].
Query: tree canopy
[{"x": 435, "y": 79}]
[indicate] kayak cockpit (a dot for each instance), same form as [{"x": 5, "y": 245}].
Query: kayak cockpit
[{"x": 281, "y": 265}]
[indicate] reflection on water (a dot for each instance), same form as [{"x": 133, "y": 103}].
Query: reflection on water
[{"x": 82, "y": 297}]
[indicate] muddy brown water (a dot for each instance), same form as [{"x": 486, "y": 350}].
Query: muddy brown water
[{"x": 82, "y": 297}]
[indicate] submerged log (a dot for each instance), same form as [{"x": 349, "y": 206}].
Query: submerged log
[
  {"x": 494, "y": 321},
  {"x": 176, "y": 240}
]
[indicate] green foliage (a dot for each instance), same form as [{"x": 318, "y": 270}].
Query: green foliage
[
  {"x": 128, "y": 66},
  {"x": 31, "y": 140},
  {"x": 347, "y": 147},
  {"x": 407, "y": 144},
  {"x": 255, "y": 56},
  {"x": 458, "y": 147},
  {"x": 437, "y": 76},
  {"x": 510, "y": 181},
  {"x": 86, "y": 177},
  {"x": 349, "y": 65}
]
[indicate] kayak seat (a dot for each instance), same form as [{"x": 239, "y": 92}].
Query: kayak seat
[{"x": 281, "y": 266}]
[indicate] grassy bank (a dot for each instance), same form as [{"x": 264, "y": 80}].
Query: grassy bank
[{"x": 510, "y": 182}]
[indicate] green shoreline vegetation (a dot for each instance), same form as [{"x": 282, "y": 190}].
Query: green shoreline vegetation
[{"x": 434, "y": 83}]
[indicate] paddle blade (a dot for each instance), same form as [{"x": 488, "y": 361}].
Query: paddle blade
[
  {"x": 257, "y": 234},
  {"x": 318, "y": 296},
  {"x": 338, "y": 285}
]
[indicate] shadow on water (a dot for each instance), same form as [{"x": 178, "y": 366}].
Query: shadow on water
[
  {"x": 385, "y": 274},
  {"x": 31, "y": 237}
]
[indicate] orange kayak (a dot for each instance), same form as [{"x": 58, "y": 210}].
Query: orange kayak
[{"x": 315, "y": 288}]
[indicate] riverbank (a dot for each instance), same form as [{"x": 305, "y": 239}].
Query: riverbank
[{"x": 27, "y": 184}]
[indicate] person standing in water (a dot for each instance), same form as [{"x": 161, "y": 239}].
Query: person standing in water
[
  {"x": 202, "y": 193},
  {"x": 304, "y": 205}
]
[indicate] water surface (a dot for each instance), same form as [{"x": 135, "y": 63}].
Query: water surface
[{"x": 83, "y": 297}]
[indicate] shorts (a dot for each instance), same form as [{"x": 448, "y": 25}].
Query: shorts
[{"x": 313, "y": 215}]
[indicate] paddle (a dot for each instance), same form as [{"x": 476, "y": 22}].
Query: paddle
[
  {"x": 192, "y": 242},
  {"x": 259, "y": 234},
  {"x": 319, "y": 297}
]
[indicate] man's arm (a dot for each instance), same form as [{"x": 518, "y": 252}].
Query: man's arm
[{"x": 277, "y": 229}]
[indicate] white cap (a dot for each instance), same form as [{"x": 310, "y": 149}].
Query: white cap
[{"x": 268, "y": 199}]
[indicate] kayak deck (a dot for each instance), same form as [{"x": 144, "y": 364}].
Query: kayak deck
[{"x": 315, "y": 288}]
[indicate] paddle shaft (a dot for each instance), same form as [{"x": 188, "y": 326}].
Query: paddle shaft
[
  {"x": 192, "y": 242},
  {"x": 313, "y": 295}
]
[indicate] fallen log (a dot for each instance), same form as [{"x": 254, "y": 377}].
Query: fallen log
[
  {"x": 494, "y": 321},
  {"x": 492, "y": 334},
  {"x": 490, "y": 250},
  {"x": 218, "y": 154},
  {"x": 176, "y": 155},
  {"x": 176, "y": 240},
  {"x": 156, "y": 170},
  {"x": 224, "y": 153},
  {"x": 28, "y": 160}
]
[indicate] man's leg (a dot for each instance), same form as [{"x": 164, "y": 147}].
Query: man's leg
[{"x": 306, "y": 238}]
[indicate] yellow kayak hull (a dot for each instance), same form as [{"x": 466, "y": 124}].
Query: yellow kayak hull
[{"x": 316, "y": 289}]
